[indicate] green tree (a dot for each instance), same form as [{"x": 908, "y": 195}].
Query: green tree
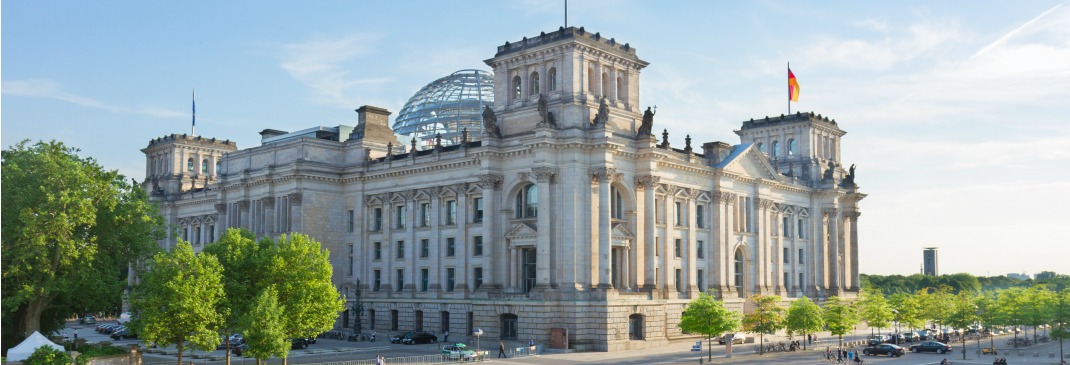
[
  {"x": 264, "y": 331},
  {"x": 1037, "y": 310},
  {"x": 1009, "y": 309},
  {"x": 986, "y": 313},
  {"x": 767, "y": 317},
  {"x": 177, "y": 299},
  {"x": 874, "y": 309},
  {"x": 1061, "y": 319},
  {"x": 69, "y": 230},
  {"x": 804, "y": 317},
  {"x": 240, "y": 257},
  {"x": 963, "y": 313},
  {"x": 301, "y": 271},
  {"x": 709, "y": 317},
  {"x": 907, "y": 309},
  {"x": 48, "y": 355},
  {"x": 840, "y": 316},
  {"x": 935, "y": 304}
]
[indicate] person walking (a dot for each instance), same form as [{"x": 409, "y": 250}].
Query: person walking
[{"x": 501, "y": 350}]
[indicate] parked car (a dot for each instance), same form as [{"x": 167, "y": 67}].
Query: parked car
[
  {"x": 238, "y": 350},
  {"x": 419, "y": 337},
  {"x": 397, "y": 337},
  {"x": 124, "y": 318},
  {"x": 236, "y": 339},
  {"x": 884, "y": 349},
  {"x": 875, "y": 340},
  {"x": 123, "y": 333},
  {"x": 737, "y": 340},
  {"x": 87, "y": 320},
  {"x": 459, "y": 352},
  {"x": 930, "y": 346},
  {"x": 298, "y": 343}
]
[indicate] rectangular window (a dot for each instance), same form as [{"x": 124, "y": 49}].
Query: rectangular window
[
  {"x": 676, "y": 248},
  {"x": 786, "y": 231},
  {"x": 350, "y": 259},
  {"x": 377, "y": 281},
  {"x": 377, "y": 222},
  {"x": 800, "y": 256},
  {"x": 400, "y": 280},
  {"x": 399, "y": 217},
  {"x": 477, "y": 278},
  {"x": 451, "y": 212},
  {"x": 679, "y": 216},
  {"x": 701, "y": 248},
  {"x": 425, "y": 248},
  {"x": 349, "y": 222},
  {"x": 699, "y": 282},
  {"x": 477, "y": 214},
  {"x": 801, "y": 283},
  {"x": 211, "y": 233},
  {"x": 700, "y": 216},
  {"x": 401, "y": 249},
  {"x": 785, "y": 283},
  {"x": 451, "y": 280},
  {"x": 802, "y": 228},
  {"x": 425, "y": 214},
  {"x": 657, "y": 211},
  {"x": 424, "y": 277},
  {"x": 477, "y": 246},
  {"x": 377, "y": 251},
  {"x": 679, "y": 280},
  {"x": 451, "y": 247},
  {"x": 787, "y": 255},
  {"x": 657, "y": 246}
]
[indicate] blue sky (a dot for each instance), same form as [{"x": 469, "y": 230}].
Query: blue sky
[{"x": 957, "y": 113}]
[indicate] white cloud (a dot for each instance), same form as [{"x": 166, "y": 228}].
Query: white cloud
[
  {"x": 51, "y": 89},
  {"x": 324, "y": 64}
]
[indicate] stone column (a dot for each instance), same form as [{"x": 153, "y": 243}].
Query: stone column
[
  {"x": 543, "y": 176},
  {"x": 853, "y": 270},
  {"x": 220, "y": 224},
  {"x": 268, "y": 215},
  {"x": 295, "y": 212},
  {"x": 724, "y": 227},
  {"x": 493, "y": 243},
  {"x": 835, "y": 254},
  {"x": 691, "y": 269},
  {"x": 243, "y": 214},
  {"x": 602, "y": 175},
  {"x": 668, "y": 242},
  {"x": 648, "y": 183}
]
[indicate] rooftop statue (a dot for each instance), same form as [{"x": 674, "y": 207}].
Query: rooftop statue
[
  {"x": 648, "y": 123},
  {"x": 544, "y": 112},
  {"x": 490, "y": 122},
  {"x": 603, "y": 113}
]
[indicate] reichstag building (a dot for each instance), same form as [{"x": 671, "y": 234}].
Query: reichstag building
[{"x": 538, "y": 201}]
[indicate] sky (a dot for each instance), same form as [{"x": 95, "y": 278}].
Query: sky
[{"x": 957, "y": 113}]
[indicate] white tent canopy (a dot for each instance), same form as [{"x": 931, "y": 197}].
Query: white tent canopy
[{"x": 27, "y": 347}]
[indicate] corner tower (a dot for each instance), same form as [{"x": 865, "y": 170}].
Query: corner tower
[
  {"x": 178, "y": 163},
  {"x": 801, "y": 145},
  {"x": 573, "y": 70}
]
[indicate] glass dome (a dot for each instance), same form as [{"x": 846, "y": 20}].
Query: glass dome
[{"x": 446, "y": 107}]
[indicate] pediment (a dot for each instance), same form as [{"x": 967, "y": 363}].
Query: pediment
[
  {"x": 747, "y": 161},
  {"x": 522, "y": 231},
  {"x": 621, "y": 235}
]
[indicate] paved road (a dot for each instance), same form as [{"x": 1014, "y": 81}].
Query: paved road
[{"x": 677, "y": 353}]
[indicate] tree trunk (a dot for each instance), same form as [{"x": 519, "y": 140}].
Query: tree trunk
[
  {"x": 31, "y": 320},
  {"x": 178, "y": 346}
]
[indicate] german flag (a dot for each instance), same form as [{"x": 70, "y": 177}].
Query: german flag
[{"x": 793, "y": 87}]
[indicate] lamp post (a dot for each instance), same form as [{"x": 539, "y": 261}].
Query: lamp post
[
  {"x": 478, "y": 333},
  {"x": 898, "y": 335}
]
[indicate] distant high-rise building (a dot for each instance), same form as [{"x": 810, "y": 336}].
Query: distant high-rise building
[
  {"x": 1018, "y": 276},
  {"x": 1044, "y": 275},
  {"x": 930, "y": 266}
]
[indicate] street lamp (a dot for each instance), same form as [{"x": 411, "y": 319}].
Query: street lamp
[
  {"x": 478, "y": 333},
  {"x": 898, "y": 335}
]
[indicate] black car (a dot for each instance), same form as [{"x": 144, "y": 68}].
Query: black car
[
  {"x": 884, "y": 349},
  {"x": 930, "y": 346},
  {"x": 298, "y": 343},
  {"x": 397, "y": 337},
  {"x": 421, "y": 337},
  {"x": 123, "y": 333}
]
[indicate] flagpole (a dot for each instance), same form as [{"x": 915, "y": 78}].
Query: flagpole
[
  {"x": 789, "y": 89},
  {"x": 193, "y": 128}
]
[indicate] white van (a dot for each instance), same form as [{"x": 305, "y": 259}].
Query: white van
[{"x": 124, "y": 318}]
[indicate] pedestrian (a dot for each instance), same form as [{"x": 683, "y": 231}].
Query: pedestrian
[
  {"x": 809, "y": 339},
  {"x": 75, "y": 335},
  {"x": 501, "y": 350},
  {"x": 531, "y": 342},
  {"x": 446, "y": 336}
]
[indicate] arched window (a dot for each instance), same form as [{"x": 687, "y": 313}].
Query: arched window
[
  {"x": 620, "y": 89},
  {"x": 605, "y": 84},
  {"x": 508, "y": 326},
  {"x": 218, "y": 166},
  {"x": 635, "y": 327},
  {"x": 616, "y": 203},
  {"x": 189, "y": 164},
  {"x": 761, "y": 147},
  {"x": 204, "y": 166},
  {"x": 516, "y": 87},
  {"x": 527, "y": 202},
  {"x": 534, "y": 80},
  {"x": 792, "y": 147},
  {"x": 738, "y": 280},
  {"x": 776, "y": 149},
  {"x": 553, "y": 78}
]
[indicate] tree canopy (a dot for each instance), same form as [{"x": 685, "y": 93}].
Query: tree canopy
[
  {"x": 70, "y": 229},
  {"x": 804, "y": 317},
  {"x": 767, "y": 316},
  {"x": 709, "y": 317},
  {"x": 177, "y": 298},
  {"x": 840, "y": 316}
]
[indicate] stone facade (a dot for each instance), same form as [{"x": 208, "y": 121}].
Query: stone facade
[{"x": 566, "y": 220}]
